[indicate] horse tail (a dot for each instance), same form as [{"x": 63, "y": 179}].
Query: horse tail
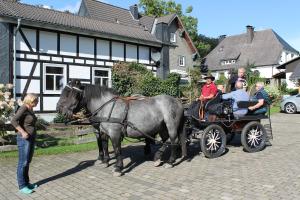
[{"x": 182, "y": 136}]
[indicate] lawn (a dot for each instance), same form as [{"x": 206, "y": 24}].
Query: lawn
[
  {"x": 53, "y": 150},
  {"x": 275, "y": 109}
]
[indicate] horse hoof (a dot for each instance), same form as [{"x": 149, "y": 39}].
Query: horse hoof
[
  {"x": 168, "y": 166},
  {"x": 157, "y": 163},
  {"x": 117, "y": 174},
  {"x": 99, "y": 162},
  {"x": 105, "y": 164}
]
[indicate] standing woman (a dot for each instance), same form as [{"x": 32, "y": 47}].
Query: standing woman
[{"x": 24, "y": 122}]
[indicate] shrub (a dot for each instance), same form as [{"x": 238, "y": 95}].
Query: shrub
[
  {"x": 7, "y": 103},
  {"x": 129, "y": 79},
  {"x": 273, "y": 92},
  {"x": 222, "y": 80},
  {"x": 59, "y": 118}
]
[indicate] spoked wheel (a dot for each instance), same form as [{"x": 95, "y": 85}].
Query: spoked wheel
[
  {"x": 213, "y": 141},
  {"x": 290, "y": 108},
  {"x": 253, "y": 137}
]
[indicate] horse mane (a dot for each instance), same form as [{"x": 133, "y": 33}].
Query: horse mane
[{"x": 97, "y": 91}]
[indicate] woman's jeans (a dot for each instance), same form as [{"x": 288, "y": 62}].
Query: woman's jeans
[{"x": 26, "y": 149}]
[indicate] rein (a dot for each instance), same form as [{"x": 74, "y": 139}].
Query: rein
[{"x": 125, "y": 123}]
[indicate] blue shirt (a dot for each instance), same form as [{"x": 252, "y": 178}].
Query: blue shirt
[{"x": 238, "y": 95}]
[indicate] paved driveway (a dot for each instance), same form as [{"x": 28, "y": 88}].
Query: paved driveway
[{"x": 273, "y": 173}]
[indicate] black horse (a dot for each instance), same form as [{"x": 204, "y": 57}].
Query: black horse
[{"x": 117, "y": 117}]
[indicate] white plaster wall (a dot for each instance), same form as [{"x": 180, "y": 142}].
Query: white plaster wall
[
  {"x": 34, "y": 86},
  {"x": 267, "y": 72},
  {"x": 48, "y": 42},
  {"x": 117, "y": 51},
  {"x": 290, "y": 84},
  {"x": 68, "y": 45},
  {"x": 131, "y": 53},
  {"x": 103, "y": 49},
  {"x": 144, "y": 55},
  {"x": 50, "y": 103},
  {"x": 31, "y": 37},
  {"x": 79, "y": 72},
  {"x": 23, "y": 68},
  {"x": 86, "y": 47}
]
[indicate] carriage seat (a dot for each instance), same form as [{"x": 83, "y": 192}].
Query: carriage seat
[
  {"x": 213, "y": 101},
  {"x": 246, "y": 104}
]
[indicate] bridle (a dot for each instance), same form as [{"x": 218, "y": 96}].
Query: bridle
[{"x": 77, "y": 91}]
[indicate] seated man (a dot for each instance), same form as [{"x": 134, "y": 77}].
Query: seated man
[
  {"x": 208, "y": 92},
  {"x": 263, "y": 99},
  {"x": 238, "y": 95}
]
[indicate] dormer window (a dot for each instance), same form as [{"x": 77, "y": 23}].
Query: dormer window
[
  {"x": 228, "y": 62},
  {"x": 173, "y": 38}
]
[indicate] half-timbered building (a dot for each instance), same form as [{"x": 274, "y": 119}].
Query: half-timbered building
[{"x": 53, "y": 47}]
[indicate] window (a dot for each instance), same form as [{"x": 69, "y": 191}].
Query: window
[
  {"x": 54, "y": 78},
  {"x": 181, "y": 61},
  {"x": 228, "y": 62},
  {"x": 173, "y": 37},
  {"x": 101, "y": 76}
]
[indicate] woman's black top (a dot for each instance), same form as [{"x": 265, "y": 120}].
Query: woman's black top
[{"x": 25, "y": 118}]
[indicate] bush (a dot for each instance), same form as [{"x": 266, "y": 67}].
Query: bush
[
  {"x": 7, "y": 103},
  {"x": 59, "y": 118},
  {"x": 273, "y": 92},
  {"x": 222, "y": 80},
  {"x": 129, "y": 79}
]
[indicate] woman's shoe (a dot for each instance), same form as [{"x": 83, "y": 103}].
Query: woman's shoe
[
  {"x": 26, "y": 190},
  {"x": 32, "y": 186}
]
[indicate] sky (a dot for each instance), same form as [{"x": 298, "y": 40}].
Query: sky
[{"x": 223, "y": 17}]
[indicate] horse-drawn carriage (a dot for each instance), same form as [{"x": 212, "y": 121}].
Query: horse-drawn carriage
[
  {"x": 215, "y": 135},
  {"x": 117, "y": 117}
]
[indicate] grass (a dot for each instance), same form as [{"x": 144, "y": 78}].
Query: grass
[
  {"x": 54, "y": 150},
  {"x": 275, "y": 109}
]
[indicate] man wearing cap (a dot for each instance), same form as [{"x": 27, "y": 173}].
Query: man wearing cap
[{"x": 208, "y": 91}]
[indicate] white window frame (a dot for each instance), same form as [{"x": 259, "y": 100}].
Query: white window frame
[
  {"x": 173, "y": 37},
  {"x": 183, "y": 61},
  {"x": 103, "y": 69},
  {"x": 44, "y": 78}
]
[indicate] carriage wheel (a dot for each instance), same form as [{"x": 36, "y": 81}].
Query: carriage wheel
[
  {"x": 253, "y": 137},
  {"x": 213, "y": 141}
]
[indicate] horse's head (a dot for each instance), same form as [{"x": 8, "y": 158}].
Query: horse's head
[{"x": 70, "y": 99}]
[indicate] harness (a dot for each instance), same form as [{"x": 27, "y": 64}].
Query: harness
[{"x": 94, "y": 119}]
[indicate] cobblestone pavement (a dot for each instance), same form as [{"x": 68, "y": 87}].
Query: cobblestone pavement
[{"x": 273, "y": 173}]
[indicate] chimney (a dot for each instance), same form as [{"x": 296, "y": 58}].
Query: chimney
[
  {"x": 221, "y": 37},
  {"x": 134, "y": 11},
  {"x": 250, "y": 33}
]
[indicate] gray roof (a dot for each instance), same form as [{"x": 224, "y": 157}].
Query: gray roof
[
  {"x": 110, "y": 13},
  {"x": 265, "y": 49},
  {"x": 48, "y": 16},
  {"x": 166, "y": 19}
]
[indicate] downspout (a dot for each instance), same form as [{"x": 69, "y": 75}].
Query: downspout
[{"x": 15, "y": 59}]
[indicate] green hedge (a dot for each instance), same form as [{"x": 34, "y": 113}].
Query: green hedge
[{"x": 133, "y": 78}]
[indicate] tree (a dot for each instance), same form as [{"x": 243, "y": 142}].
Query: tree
[
  {"x": 158, "y": 8},
  {"x": 205, "y": 44}
]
